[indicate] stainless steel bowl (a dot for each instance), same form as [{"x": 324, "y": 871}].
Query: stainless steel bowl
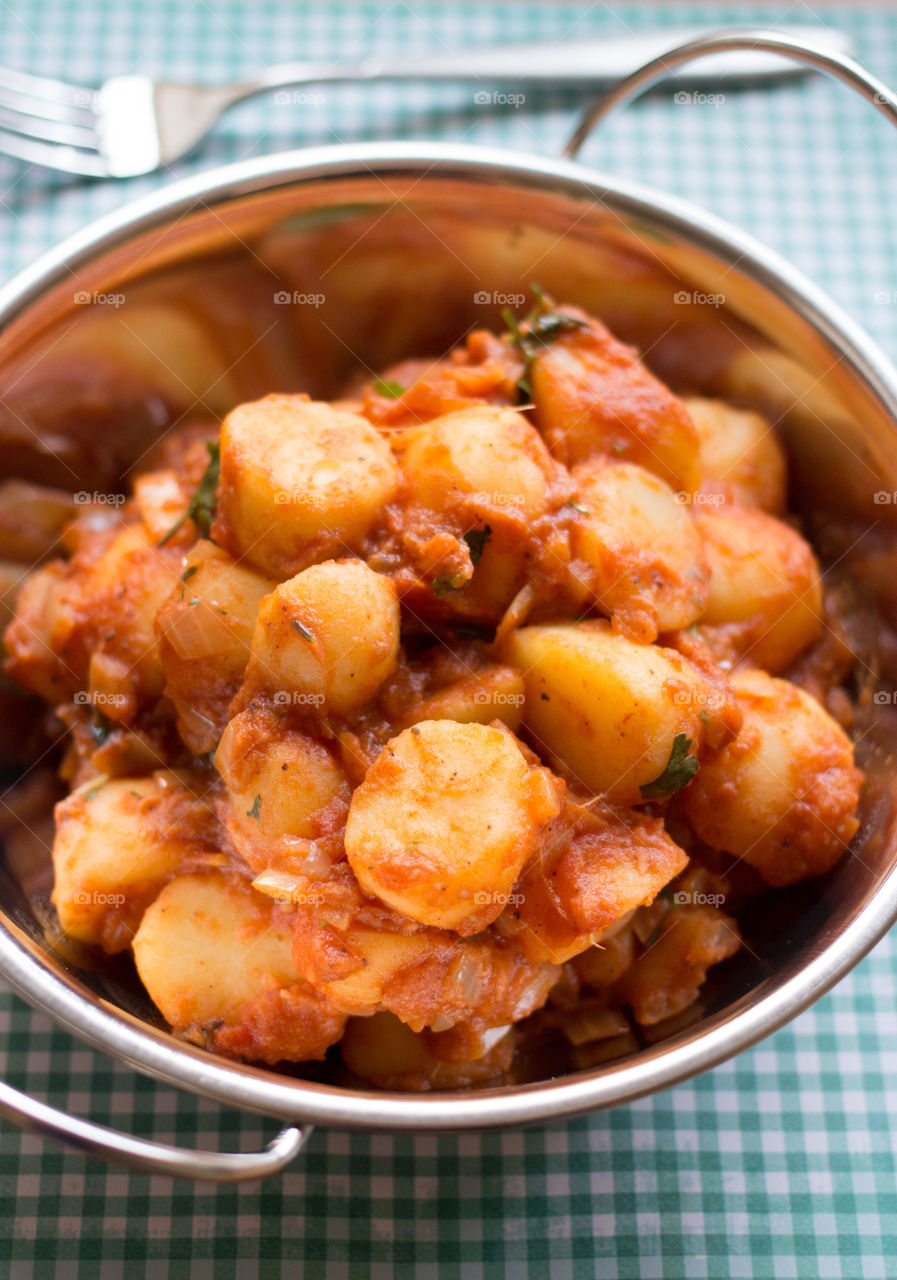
[{"x": 386, "y": 251}]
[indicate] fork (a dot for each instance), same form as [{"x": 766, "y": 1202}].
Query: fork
[{"x": 133, "y": 125}]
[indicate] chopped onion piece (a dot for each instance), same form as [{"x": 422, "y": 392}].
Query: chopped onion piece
[
  {"x": 279, "y": 884},
  {"x": 198, "y": 630},
  {"x": 468, "y": 975}
]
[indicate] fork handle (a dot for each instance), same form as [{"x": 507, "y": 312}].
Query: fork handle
[{"x": 565, "y": 64}]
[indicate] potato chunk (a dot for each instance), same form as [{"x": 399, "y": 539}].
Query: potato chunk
[
  {"x": 489, "y": 456},
  {"x": 279, "y": 783},
  {"x": 594, "y": 395},
  {"x": 385, "y": 1051},
  {"x": 327, "y": 638},
  {"x": 606, "y": 708},
  {"x": 85, "y": 630},
  {"x": 117, "y": 843},
  {"x": 300, "y": 481},
  {"x": 444, "y": 822},
  {"x": 784, "y": 794},
  {"x": 215, "y": 959},
  {"x": 612, "y": 862},
  {"x": 741, "y": 458},
  {"x": 205, "y": 630},
  {"x": 426, "y": 977},
  {"x": 644, "y": 555},
  {"x": 669, "y": 974},
  {"x": 473, "y": 484},
  {"x": 764, "y": 577}
]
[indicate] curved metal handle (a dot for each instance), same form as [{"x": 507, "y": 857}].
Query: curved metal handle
[
  {"x": 150, "y": 1157},
  {"x": 808, "y": 52}
]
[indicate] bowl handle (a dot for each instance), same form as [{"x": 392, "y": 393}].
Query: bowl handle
[
  {"x": 802, "y": 50},
  {"x": 150, "y": 1157}
]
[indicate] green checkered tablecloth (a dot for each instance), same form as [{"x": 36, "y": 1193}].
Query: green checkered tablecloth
[{"x": 778, "y": 1164}]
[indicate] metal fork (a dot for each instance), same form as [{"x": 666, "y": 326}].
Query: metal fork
[{"x": 132, "y": 124}]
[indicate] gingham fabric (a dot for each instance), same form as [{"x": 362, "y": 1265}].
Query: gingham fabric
[{"x": 778, "y": 1164}]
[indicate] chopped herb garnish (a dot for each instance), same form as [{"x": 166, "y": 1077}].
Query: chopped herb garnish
[
  {"x": 476, "y": 540},
  {"x": 619, "y": 448},
  {"x": 256, "y": 808},
  {"x": 577, "y": 506},
  {"x": 303, "y": 630},
  {"x": 446, "y": 582},
  {"x": 680, "y": 770},
  {"x": 391, "y": 390},
  {"x": 201, "y": 509},
  {"x": 189, "y": 572},
  {"x": 539, "y": 329}
]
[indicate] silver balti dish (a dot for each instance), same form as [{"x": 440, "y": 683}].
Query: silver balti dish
[{"x": 295, "y": 272}]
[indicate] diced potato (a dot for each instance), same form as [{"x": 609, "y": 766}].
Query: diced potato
[
  {"x": 741, "y": 458},
  {"x": 205, "y": 630},
  {"x": 444, "y": 822},
  {"x": 386, "y": 957},
  {"x": 215, "y": 958},
  {"x": 383, "y": 1050},
  {"x": 765, "y": 576},
  {"x": 607, "y": 961},
  {"x": 594, "y": 395},
  {"x": 489, "y": 457},
  {"x": 279, "y": 782},
  {"x": 783, "y": 795},
  {"x": 326, "y": 639},
  {"x": 104, "y": 601},
  {"x": 473, "y": 483},
  {"x": 117, "y": 843},
  {"x": 300, "y": 482},
  {"x": 568, "y": 900},
  {"x": 426, "y": 977},
  {"x": 495, "y": 693},
  {"x": 605, "y": 708},
  {"x": 645, "y": 557},
  {"x": 668, "y": 976}
]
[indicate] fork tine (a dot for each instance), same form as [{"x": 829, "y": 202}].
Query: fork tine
[
  {"x": 70, "y": 135},
  {"x": 53, "y": 155},
  {"x": 43, "y": 109},
  {"x": 68, "y": 95}
]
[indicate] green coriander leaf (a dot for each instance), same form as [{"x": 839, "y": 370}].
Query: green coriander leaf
[
  {"x": 303, "y": 630},
  {"x": 391, "y": 390},
  {"x": 256, "y": 808},
  {"x": 202, "y": 505},
  {"x": 476, "y": 540},
  {"x": 539, "y": 329},
  {"x": 679, "y": 771},
  {"x": 446, "y": 582},
  {"x": 577, "y": 506}
]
